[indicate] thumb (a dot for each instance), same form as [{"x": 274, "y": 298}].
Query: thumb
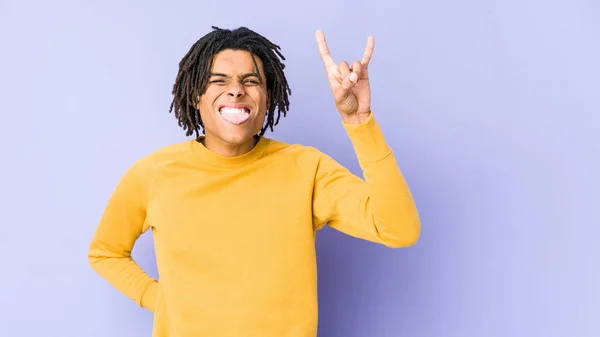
[{"x": 349, "y": 81}]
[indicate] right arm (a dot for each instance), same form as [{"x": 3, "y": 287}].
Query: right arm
[{"x": 122, "y": 223}]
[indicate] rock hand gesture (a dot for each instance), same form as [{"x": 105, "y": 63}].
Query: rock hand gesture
[{"x": 349, "y": 85}]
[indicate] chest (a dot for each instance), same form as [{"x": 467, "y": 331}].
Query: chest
[{"x": 200, "y": 212}]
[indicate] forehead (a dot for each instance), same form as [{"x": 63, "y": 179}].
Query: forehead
[{"x": 235, "y": 61}]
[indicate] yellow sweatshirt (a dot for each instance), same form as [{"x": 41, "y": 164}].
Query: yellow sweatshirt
[{"x": 235, "y": 237}]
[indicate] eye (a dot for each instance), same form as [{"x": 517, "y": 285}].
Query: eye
[
  {"x": 216, "y": 81},
  {"x": 252, "y": 82}
]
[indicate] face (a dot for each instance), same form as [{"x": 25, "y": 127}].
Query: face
[{"x": 234, "y": 104}]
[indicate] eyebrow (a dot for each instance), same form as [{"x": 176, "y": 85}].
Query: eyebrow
[{"x": 242, "y": 77}]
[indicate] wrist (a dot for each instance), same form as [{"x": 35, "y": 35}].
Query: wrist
[
  {"x": 357, "y": 118},
  {"x": 149, "y": 296}
]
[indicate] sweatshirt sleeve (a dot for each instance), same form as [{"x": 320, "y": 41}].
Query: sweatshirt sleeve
[
  {"x": 378, "y": 208},
  {"x": 121, "y": 224}
]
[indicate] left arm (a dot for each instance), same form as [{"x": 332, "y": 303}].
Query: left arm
[{"x": 379, "y": 208}]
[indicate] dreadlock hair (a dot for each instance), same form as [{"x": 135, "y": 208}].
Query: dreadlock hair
[{"x": 196, "y": 65}]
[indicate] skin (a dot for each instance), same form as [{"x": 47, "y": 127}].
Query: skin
[
  {"x": 235, "y": 85},
  {"x": 349, "y": 85}
]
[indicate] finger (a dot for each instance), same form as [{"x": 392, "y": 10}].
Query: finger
[
  {"x": 357, "y": 68},
  {"x": 344, "y": 69},
  {"x": 349, "y": 81},
  {"x": 368, "y": 51},
  {"x": 323, "y": 49}
]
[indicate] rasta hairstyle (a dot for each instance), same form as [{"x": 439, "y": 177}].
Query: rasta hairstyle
[{"x": 196, "y": 65}]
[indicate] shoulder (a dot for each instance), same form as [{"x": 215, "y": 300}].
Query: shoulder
[
  {"x": 144, "y": 168},
  {"x": 304, "y": 156},
  {"x": 291, "y": 149}
]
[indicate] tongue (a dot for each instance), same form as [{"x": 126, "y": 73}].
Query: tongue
[{"x": 235, "y": 118}]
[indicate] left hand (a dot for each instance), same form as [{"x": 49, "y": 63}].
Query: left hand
[{"x": 350, "y": 85}]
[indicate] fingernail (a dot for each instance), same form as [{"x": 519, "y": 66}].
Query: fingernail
[{"x": 353, "y": 77}]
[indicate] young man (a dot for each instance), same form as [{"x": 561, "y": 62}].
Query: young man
[{"x": 233, "y": 213}]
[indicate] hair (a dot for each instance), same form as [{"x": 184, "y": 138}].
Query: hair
[{"x": 196, "y": 65}]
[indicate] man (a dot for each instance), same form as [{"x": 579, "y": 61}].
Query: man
[{"x": 233, "y": 213}]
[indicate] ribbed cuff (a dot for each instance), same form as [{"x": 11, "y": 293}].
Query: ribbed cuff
[
  {"x": 148, "y": 299},
  {"x": 368, "y": 140}
]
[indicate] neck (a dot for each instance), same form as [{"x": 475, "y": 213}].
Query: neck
[{"x": 226, "y": 149}]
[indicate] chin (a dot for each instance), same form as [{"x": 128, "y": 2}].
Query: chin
[{"x": 237, "y": 137}]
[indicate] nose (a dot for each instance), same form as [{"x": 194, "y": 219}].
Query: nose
[{"x": 235, "y": 90}]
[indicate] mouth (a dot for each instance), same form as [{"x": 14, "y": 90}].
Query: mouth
[{"x": 235, "y": 114}]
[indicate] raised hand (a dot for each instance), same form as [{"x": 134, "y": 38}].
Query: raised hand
[{"x": 349, "y": 85}]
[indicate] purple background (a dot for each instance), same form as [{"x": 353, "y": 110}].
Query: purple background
[{"x": 492, "y": 108}]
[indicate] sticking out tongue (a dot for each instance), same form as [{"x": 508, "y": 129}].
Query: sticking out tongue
[{"x": 235, "y": 116}]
